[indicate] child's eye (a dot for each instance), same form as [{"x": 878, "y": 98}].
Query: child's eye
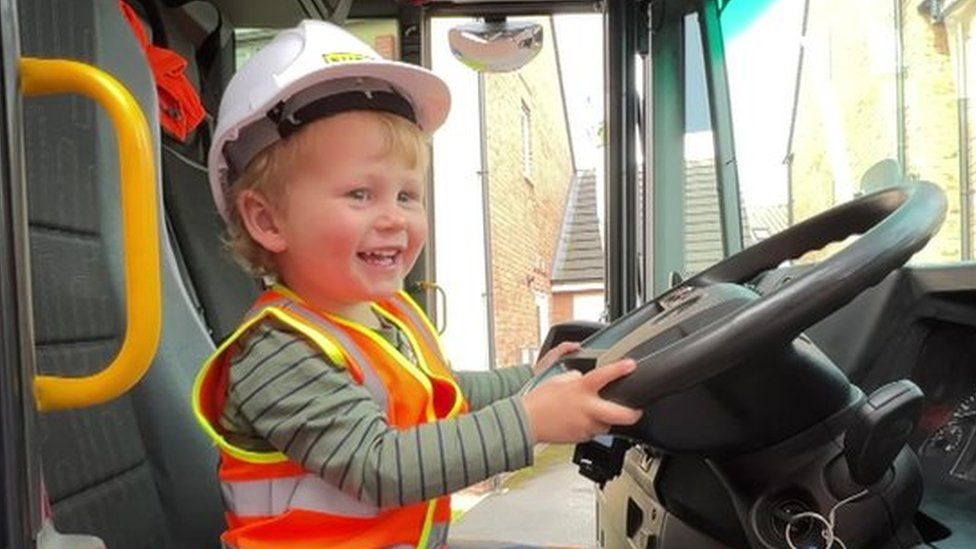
[
  {"x": 407, "y": 196},
  {"x": 358, "y": 194}
]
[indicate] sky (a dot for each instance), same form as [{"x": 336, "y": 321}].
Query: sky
[
  {"x": 579, "y": 40},
  {"x": 762, "y": 49}
]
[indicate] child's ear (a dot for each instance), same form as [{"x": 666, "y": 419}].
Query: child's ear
[{"x": 260, "y": 220}]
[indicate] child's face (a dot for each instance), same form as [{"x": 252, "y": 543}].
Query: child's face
[{"x": 352, "y": 220}]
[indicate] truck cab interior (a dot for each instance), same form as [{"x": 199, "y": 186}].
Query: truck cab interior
[{"x": 796, "y": 393}]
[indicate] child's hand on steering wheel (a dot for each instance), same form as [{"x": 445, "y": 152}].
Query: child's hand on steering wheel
[
  {"x": 554, "y": 354},
  {"x": 568, "y": 408}
]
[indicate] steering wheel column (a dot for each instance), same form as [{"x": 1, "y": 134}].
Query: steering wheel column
[{"x": 809, "y": 473}]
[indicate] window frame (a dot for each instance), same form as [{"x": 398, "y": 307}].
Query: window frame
[{"x": 525, "y": 119}]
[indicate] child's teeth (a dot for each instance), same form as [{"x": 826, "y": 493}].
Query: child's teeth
[{"x": 383, "y": 258}]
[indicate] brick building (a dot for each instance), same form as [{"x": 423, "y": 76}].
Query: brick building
[
  {"x": 849, "y": 108},
  {"x": 530, "y": 169}
]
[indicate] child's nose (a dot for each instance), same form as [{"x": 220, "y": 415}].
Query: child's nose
[{"x": 391, "y": 218}]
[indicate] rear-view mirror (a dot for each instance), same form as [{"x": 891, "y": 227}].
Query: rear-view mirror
[{"x": 496, "y": 45}]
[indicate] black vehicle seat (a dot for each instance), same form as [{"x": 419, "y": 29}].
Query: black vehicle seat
[
  {"x": 220, "y": 288},
  {"x": 135, "y": 472}
]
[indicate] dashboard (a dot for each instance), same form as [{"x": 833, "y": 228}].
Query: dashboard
[
  {"x": 945, "y": 439},
  {"x": 951, "y": 438},
  {"x": 918, "y": 323}
]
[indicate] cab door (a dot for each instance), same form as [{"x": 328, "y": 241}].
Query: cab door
[{"x": 19, "y": 507}]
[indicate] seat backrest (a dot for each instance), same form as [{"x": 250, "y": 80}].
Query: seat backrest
[
  {"x": 221, "y": 290},
  {"x": 135, "y": 472}
]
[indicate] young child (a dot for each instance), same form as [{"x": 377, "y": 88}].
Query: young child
[{"x": 338, "y": 419}]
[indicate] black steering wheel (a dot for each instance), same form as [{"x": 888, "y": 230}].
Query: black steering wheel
[
  {"x": 894, "y": 223},
  {"x": 726, "y": 376},
  {"x": 714, "y": 322}
]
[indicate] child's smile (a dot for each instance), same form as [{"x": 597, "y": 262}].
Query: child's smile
[{"x": 383, "y": 259}]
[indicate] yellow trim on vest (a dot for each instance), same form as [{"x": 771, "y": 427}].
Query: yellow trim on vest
[
  {"x": 428, "y": 525},
  {"x": 423, "y": 375},
  {"x": 331, "y": 349},
  {"x": 287, "y": 292}
]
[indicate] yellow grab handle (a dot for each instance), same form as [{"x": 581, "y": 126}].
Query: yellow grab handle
[{"x": 143, "y": 288}]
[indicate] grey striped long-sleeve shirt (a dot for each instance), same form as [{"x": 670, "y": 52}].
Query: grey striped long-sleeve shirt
[{"x": 286, "y": 395}]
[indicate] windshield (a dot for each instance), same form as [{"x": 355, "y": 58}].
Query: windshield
[{"x": 836, "y": 98}]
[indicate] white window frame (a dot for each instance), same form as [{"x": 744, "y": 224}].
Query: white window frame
[{"x": 526, "y": 120}]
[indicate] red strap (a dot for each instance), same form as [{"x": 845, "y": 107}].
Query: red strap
[{"x": 180, "y": 109}]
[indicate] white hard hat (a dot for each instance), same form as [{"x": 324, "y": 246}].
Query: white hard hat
[{"x": 306, "y": 73}]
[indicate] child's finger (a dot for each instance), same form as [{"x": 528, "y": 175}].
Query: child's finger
[
  {"x": 567, "y": 347},
  {"x": 612, "y": 413},
  {"x": 596, "y": 378},
  {"x": 563, "y": 348},
  {"x": 554, "y": 354},
  {"x": 566, "y": 377}
]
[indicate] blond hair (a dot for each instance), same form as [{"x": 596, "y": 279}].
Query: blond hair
[{"x": 269, "y": 171}]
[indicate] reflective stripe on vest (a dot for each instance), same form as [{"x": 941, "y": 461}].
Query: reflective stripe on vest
[
  {"x": 408, "y": 308},
  {"x": 268, "y": 496},
  {"x": 370, "y": 380}
]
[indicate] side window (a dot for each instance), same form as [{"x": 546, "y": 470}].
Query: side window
[
  {"x": 518, "y": 172},
  {"x": 828, "y": 108},
  {"x": 249, "y": 41}
]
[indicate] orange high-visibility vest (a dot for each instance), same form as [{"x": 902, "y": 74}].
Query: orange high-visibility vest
[{"x": 272, "y": 502}]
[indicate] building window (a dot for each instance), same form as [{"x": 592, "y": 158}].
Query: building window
[
  {"x": 542, "y": 314},
  {"x": 526, "y": 142}
]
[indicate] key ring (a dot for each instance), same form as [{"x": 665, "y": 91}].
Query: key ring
[{"x": 827, "y": 532}]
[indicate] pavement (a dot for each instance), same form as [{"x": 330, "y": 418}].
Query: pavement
[{"x": 546, "y": 505}]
